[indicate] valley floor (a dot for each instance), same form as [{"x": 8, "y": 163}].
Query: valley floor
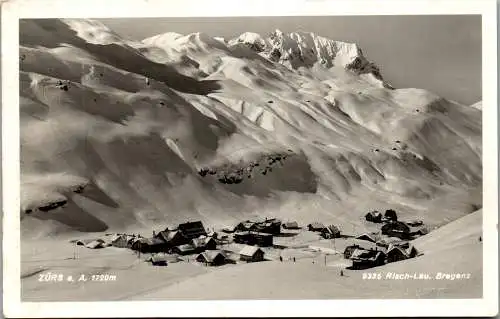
[{"x": 451, "y": 249}]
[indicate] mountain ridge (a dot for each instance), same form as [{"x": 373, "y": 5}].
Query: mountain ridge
[{"x": 119, "y": 130}]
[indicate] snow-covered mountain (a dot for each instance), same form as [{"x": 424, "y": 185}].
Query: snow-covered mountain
[
  {"x": 305, "y": 49},
  {"x": 123, "y": 135}
]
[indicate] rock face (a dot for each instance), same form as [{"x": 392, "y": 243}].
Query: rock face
[
  {"x": 193, "y": 126},
  {"x": 305, "y": 49}
]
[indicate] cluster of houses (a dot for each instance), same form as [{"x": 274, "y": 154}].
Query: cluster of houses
[
  {"x": 394, "y": 228},
  {"x": 363, "y": 258},
  {"x": 392, "y": 247},
  {"x": 327, "y": 232},
  {"x": 185, "y": 239},
  {"x": 388, "y": 245},
  {"x": 258, "y": 232}
]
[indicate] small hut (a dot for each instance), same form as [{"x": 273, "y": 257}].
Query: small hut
[
  {"x": 212, "y": 258},
  {"x": 349, "y": 250},
  {"x": 245, "y": 226},
  {"x": 374, "y": 217},
  {"x": 121, "y": 241},
  {"x": 396, "y": 253},
  {"x": 228, "y": 229},
  {"x": 95, "y": 244},
  {"x": 172, "y": 237},
  {"x": 415, "y": 223},
  {"x": 396, "y": 229},
  {"x": 253, "y": 238},
  {"x": 390, "y": 215},
  {"x": 363, "y": 259},
  {"x": 316, "y": 226},
  {"x": 251, "y": 254},
  {"x": 291, "y": 225},
  {"x": 412, "y": 251},
  {"x": 330, "y": 232},
  {"x": 185, "y": 249},
  {"x": 204, "y": 243},
  {"x": 159, "y": 260},
  {"x": 149, "y": 245}
]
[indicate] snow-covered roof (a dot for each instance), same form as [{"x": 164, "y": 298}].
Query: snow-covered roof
[{"x": 249, "y": 250}]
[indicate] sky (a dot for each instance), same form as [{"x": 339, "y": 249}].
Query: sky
[{"x": 439, "y": 53}]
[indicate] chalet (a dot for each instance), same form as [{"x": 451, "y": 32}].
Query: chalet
[
  {"x": 186, "y": 249},
  {"x": 362, "y": 258},
  {"x": 396, "y": 229},
  {"x": 349, "y": 250},
  {"x": 149, "y": 245},
  {"x": 245, "y": 226},
  {"x": 374, "y": 217},
  {"x": 390, "y": 215},
  {"x": 415, "y": 223},
  {"x": 95, "y": 244},
  {"x": 228, "y": 229},
  {"x": 204, "y": 243},
  {"x": 330, "y": 232},
  {"x": 192, "y": 230},
  {"x": 253, "y": 238},
  {"x": 416, "y": 231},
  {"x": 367, "y": 237},
  {"x": 172, "y": 237},
  {"x": 386, "y": 242},
  {"x": 83, "y": 242},
  {"x": 396, "y": 253},
  {"x": 412, "y": 251},
  {"x": 270, "y": 226},
  {"x": 212, "y": 258},
  {"x": 158, "y": 260},
  {"x": 121, "y": 241},
  {"x": 251, "y": 254},
  {"x": 316, "y": 226},
  {"x": 291, "y": 225}
]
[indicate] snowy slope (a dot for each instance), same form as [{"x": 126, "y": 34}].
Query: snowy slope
[
  {"x": 478, "y": 105},
  {"x": 117, "y": 132}
]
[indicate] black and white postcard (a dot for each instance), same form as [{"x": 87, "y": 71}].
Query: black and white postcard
[{"x": 249, "y": 158}]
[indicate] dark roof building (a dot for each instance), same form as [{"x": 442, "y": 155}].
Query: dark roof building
[
  {"x": 396, "y": 253},
  {"x": 330, "y": 232},
  {"x": 390, "y": 214},
  {"x": 149, "y": 245},
  {"x": 396, "y": 229},
  {"x": 253, "y": 238},
  {"x": 316, "y": 226},
  {"x": 374, "y": 217},
  {"x": 192, "y": 230},
  {"x": 291, "y": 225},
  {"x": 349, "y": 250},
  {"x": 245, "y": 226}
]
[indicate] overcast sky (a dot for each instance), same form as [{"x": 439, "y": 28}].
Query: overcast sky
[{"x": 438, "y": 53}]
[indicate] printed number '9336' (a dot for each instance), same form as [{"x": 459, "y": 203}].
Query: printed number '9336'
[{"x": 367, "y": 275}]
